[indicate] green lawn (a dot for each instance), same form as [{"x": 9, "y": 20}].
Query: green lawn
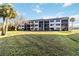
[{"x": 40, "y": 44}]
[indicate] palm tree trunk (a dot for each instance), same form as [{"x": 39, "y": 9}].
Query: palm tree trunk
[
  {"x": 72, "y": 25},
  {"x": 3, "y": 27},
  {"x": 6, "y": 29}
]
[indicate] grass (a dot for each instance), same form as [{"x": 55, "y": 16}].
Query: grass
[
  {"x": 14, "y": 33},
  {"x": 40, "y": 43}
]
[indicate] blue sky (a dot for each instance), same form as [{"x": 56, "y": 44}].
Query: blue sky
[
  {"x": 47, "y": 10},
  {"x": 35, "y": 11}
]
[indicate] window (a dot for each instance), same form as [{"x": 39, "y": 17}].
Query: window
[
  {"x": 51, "y": 29},
  {"x": 51, "y": 24},
  {"x": 51, "y": 20},
  {"x": 57, "y": 24},
  {"x": 58, "y": 20},
  {"x": 46, "y": 21},
  {"x": 40, "y": 21},
  {"x": 32, "y": 25},
  {"x": 36, "y": 25},
  {"x": 46, "y": 25}
]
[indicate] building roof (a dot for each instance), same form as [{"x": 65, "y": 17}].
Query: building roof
[{"x": 66, "y": 18}]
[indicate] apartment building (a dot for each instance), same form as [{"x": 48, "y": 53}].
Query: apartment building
[{"x": 53, "y": 24}]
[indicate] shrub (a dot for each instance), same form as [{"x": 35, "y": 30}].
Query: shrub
[{"x": 11, "y": 28}]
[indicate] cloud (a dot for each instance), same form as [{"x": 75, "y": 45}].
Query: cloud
[
  {"x": 75, "y": 16},
  {"x": 67, "y": 4},
  {"x": 37, "y": 10}
]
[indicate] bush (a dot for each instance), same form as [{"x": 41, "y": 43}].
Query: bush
[{"x": 11, "y": 28}]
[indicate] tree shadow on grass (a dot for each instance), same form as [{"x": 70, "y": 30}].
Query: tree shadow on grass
[{"x": 38, "y": 45}]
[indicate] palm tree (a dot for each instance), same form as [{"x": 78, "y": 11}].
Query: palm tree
[
  {"x": 6, "y": 12},
  {"x": 72, "y": 20}
]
